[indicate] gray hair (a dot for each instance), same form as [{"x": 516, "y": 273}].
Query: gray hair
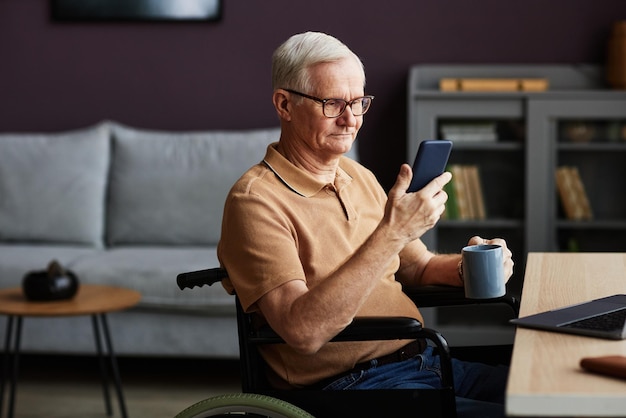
[{"x": 292, "y": 59}]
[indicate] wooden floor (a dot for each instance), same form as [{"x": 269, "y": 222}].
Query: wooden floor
[{"x": 70, "y": 387}]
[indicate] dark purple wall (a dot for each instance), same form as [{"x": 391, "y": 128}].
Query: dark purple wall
[{"x": 57, "y": 76}]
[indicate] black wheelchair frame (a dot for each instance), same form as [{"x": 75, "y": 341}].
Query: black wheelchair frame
[{"x": 260, "y": 399}]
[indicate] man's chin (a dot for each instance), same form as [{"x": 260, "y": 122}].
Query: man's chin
[{"x": 343, "y": 144}]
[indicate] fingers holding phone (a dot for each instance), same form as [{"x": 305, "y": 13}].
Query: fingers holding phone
[{"x": 412, "y": 214}]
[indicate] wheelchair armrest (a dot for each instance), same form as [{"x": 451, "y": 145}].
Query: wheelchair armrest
[
  {"x": 380, "y": 328},
  {"x": 377, "y": 328},
  {"x": 360, "y": 329},
  {"x": 435, "y": 296}
]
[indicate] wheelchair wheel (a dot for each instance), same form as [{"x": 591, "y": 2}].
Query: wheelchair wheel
[{"x": 243, "y": 404}]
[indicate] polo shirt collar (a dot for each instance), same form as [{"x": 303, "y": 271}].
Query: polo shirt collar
[{"x": 297, "y": 179}]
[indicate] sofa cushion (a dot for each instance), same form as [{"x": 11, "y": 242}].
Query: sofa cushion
[
  {"x": 17, "y": 260},
  {"x": 169, "y": 188},
  {"x": 52, "y": 186},
  {"x": 152, "y": 271}
]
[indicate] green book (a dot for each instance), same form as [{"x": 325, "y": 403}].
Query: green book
[{"x": 452, "y": 209}]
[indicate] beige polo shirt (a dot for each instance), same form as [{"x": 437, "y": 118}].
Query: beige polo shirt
[{"x": 282, "y": 224}]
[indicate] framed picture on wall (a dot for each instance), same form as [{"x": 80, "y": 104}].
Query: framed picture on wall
[{"x": 136, "y": 10}]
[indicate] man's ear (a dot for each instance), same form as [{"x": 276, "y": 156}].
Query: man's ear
[{"x": 282, "y": 104}]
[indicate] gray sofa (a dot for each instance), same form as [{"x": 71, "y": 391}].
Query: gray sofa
[{"x": 125, "y": 207}]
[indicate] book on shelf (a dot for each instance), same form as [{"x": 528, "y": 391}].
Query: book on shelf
[
  {"x": 572, "y": 193},
  {"x": 476, "y": 192},
  {"x": 465, "y": 194},
  {"x": 451, "y": 211},
  {"x": 478, "y": 131},
  {"x": 493, "y": 84},
  {"x": 460, "y": 192}
]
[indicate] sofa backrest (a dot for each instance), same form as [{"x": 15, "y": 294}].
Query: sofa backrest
[
  {"x": 169, "y": 188},
  {"x": 116, "y": 185},
  {"x": 52, "y": 186}
]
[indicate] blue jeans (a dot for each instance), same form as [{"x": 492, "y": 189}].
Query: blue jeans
[{"x": 479, "y": 388}]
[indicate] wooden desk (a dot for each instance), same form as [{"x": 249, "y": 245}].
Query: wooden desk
[
  {"x": 545, "y": 377},
  {"x": 93, "y": 300}
]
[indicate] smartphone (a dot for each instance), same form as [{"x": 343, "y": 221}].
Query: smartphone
[{"x": 430, "y": 162}]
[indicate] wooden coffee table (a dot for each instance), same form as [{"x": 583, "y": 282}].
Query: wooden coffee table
[{"x": 93, "y": 300}]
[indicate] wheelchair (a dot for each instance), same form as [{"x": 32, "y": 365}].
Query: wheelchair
[{"x": 259, "y": 399}]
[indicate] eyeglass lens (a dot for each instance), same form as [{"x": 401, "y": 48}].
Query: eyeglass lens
[{"x": 335, "y": 107}]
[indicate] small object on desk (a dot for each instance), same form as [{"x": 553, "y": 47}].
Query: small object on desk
[{"x": 614, "y": 366}]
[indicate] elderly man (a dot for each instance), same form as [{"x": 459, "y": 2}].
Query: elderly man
[{"x": 311, "y": 240}]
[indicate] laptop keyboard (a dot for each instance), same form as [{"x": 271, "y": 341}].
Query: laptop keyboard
[{"x": 610, "y": 321}]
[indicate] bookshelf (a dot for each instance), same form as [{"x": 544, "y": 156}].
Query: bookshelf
[
  {"x": 599, "y": 154},
  {"x": 526, "y": 137}
]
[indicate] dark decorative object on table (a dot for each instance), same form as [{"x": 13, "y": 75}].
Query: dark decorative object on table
[{"x": 54, "y": 283}]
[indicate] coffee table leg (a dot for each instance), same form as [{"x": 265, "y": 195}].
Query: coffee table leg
[
  {"x": 103, "y": 369},
  {"x": 11, "y": 361},
  {"x": 5, "y": 361},
  {"x": 114, "y": 369}
]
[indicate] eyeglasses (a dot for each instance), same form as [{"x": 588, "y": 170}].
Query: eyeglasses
[{"x": 333, "y": 108}]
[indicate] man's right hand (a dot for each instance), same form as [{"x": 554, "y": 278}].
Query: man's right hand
[{"x": 410, "y": 215}]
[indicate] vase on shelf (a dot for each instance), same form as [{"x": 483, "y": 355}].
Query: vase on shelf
[{"x": 616, "y": 56}]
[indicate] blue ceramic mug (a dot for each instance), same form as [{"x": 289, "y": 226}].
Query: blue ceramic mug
[{"x": 483, "y": 271}]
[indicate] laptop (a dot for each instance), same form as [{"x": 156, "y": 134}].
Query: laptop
[{"x": 601, "y": 318}]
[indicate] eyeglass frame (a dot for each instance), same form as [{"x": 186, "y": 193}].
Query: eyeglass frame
[{"x": 324, "y": 101}]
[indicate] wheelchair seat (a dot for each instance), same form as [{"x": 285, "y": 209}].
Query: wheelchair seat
[{"x": 429, "y": 403}]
